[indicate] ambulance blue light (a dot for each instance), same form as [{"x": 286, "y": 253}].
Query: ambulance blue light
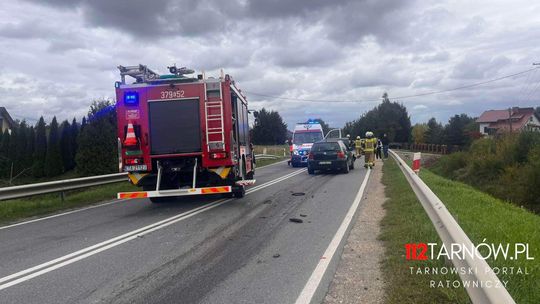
[{"x": 131, "y": 98}]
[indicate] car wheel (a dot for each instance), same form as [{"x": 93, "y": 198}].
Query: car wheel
[
  {"x": 352, "y": 165},
  {"x": 294, "y": 164},
  {"x": 310, "y": 170},
  {"x": 346, "y": 169}
]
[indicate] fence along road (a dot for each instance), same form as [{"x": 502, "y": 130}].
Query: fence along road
[{"x": 450, "y": 232}]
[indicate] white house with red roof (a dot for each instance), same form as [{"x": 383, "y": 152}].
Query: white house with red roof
[{"x": 514, "y": 119}]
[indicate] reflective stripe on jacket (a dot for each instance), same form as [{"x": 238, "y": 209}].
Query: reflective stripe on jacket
[{"x": 370, "y": 144}]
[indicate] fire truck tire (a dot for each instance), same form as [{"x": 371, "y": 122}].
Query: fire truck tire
[{"x": 239, "y": 191}]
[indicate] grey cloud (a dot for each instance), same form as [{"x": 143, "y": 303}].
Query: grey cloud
[
  {"x": 478, "y": 66},
  {"x": 348, "y": 20},
  {"x": 24, "y": 30}
]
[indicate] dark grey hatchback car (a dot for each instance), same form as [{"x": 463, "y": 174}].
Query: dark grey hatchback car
[{"x": 330, "y": 155}]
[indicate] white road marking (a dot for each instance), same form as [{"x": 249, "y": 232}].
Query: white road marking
[
  {"x": 312, "y": 284},
  {"x": 43, "y": 268},
  {"x": 91, "y": 207}
]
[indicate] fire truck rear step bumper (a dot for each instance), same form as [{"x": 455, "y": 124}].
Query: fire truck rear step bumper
[
  {"x": 246, "y": 182},
  {"x": 175, "y": 192}
]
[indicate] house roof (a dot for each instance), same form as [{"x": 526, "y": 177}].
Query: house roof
[
  {"x": 6, "y": 115},
  {"x": 520, "y": 118},
  {"x": 492, "y": 116}
]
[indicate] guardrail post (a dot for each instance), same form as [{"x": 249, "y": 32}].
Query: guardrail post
[{"x": 63, "y": 196}]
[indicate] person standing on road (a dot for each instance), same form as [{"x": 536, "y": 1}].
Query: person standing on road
[
  {"x": 385, "y": 144},
  {"x": 369, "y": 150},
  {"x": 358, "y": 146},
  {"x": 378, "y": 149}
]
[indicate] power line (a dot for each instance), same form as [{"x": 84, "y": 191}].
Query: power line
[{"x": 400, "y": 97}]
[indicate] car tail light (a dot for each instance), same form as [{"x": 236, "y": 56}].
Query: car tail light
[
  {"x": 340, "y": 154},
  {"x": 310, "y": 155},
  {"x": 219, "y": 155},
  {"x": 133, "y": 161}
]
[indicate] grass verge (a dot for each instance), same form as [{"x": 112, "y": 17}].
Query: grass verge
[
  {"x": 406, "y": 222},
  {"x": 12, "y": 210},
  {"x": 482, "y": 217}
]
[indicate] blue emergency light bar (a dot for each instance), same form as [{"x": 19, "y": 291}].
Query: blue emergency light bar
[{"x": 131, "y": 98}]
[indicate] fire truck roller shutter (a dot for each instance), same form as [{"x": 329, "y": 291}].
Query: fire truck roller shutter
[{"x": 174, "y": 126}]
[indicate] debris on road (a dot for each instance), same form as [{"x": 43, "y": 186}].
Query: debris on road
[
  {"x": 303, "y": 215},
  {"x": 277, "y": 255},
  {"x": 296, "y": 220},
  {"x": 298, "y": 194}
]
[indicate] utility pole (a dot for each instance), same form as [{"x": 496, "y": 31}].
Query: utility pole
[{"x": 510, "y": 119}]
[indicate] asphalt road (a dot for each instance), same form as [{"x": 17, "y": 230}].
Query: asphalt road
[{"x": 192, "y": 250}]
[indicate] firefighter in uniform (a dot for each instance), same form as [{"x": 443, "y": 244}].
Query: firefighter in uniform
[
  {"x": 369, "y": 150},
  {"x": 358, "y": 146}
]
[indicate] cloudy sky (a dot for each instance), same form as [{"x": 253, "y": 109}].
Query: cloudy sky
[{"x": 58, "y": 55}]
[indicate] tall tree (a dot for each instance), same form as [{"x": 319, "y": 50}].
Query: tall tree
[
  {"x": 40, "y": 149},
  {"x": 30, "y": 144},
  {"x": 388, "y": 117},
  {"x": 21, "y": 159},
  {"x": 269, "y": 128},
  {"x": 66, "y": 146},
  {"x": 74, "y": 136},
  {"x": 97, "y": 143},
  {"x": 53, "y": 160},
  {"x": 5, "y": 161},
  {"x": 455, "y": 132},
  {"x": 418, "y": 133},
  {"x": 435, "y": 132}
]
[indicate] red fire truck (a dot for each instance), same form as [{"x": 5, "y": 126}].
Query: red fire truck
[{"x": 180, "y": 135}]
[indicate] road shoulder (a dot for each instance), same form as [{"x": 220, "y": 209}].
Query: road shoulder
[{"x": 358, "y": 278}]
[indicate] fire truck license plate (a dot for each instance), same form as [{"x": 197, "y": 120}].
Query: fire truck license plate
[{"x": 135, "y": 168}]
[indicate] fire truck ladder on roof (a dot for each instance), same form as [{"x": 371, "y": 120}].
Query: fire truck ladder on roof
[
  {"x": 213, "y": 111},
  {"x": 140, "y": 72}
]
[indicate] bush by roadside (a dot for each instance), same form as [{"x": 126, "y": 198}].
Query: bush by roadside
[{"x": 507, "y": 167}]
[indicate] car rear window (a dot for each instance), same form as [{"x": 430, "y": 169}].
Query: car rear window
[{"x": 320, "y": 147}]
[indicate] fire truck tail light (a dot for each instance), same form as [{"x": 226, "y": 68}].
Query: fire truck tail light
[{"x": 220, "y": 155}]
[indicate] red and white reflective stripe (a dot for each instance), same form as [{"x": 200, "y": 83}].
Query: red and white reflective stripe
[
  {"x": 215, "y": 190},
  {"x": 175, "y": 192},
  {"x": 416, "y": 162},
  {"x": 126, "y": 195}
]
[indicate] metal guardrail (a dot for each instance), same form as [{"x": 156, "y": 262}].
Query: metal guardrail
[
  {"x": 266, "y": 156},
  {"x": 60, "y": 185},
  {"x": 75, "y": 183},
  {"x": 451, "y": 233}
]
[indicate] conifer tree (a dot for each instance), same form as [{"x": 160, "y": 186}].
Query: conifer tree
[
  {"x": 40, "y": 149},
  {"x": 53, "y": 160}
]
